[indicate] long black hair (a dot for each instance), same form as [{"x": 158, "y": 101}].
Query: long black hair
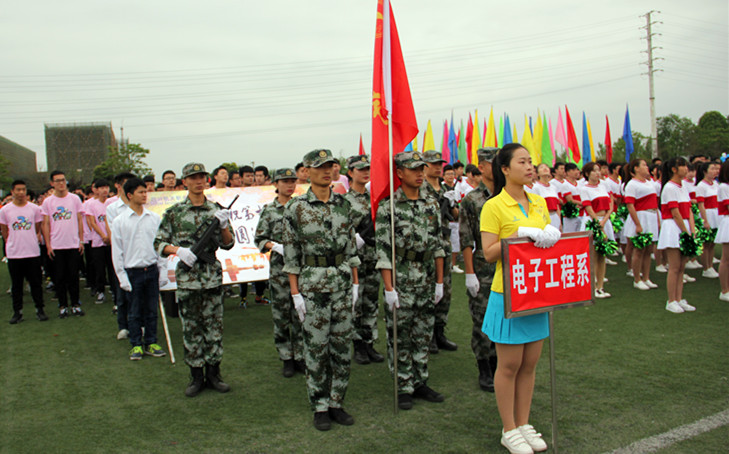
[
  {"x": 629, "y": 170},
  {"x": 702, "y": 168},
  {"x": 503, "y": 159},
  {"x": 667, "y": 168}
]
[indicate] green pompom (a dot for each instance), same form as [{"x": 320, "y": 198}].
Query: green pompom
[
  {"x": 623, "y": 212},
  {"x": 642, "y": 240},
  {"x": 689, "y": 245},
  {"x": 705, "y": 235},
  {"x": 570, "y": 210},
  {"x": 617, "y": 222},
  {"x": 603, "y": 245}
]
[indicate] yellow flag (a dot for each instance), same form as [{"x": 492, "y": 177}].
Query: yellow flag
[
  {"x": 528, "y": 142},
  {"x": 475, "y": 139},
  {"x": 428, "y": 142},
  {"x": 491, "y": 131},
  {"x": 592, "y": 145},
  {"x": 415, "y": 143},
  {"x": 538, "y": 132}
]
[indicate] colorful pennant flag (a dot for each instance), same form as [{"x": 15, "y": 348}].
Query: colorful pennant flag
[
  {"x": 627, "y": 135},
  {"x": 572, "y": 143},
  {"x": 453, "y": 142},
  {"x": 491, "y": 131},
  {"x": 428, "y": 141},
  {"x": 476, "y": 140},
  {"x": 586, "y": 155},
  {"x": 361, "y": 146},
  {"x": 507, "y": 138},
  {"x": 547, "y": 152},
  {"x": 528, "y": 142},
  {"x": 560, "y": 136},
  {"x": 608, "y": 141}
]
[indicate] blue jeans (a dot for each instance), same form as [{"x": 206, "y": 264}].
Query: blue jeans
[{"x": 143, "y": 304}]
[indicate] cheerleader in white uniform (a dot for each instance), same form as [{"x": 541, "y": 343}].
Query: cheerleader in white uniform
[
  {"x": 707, "y": 191},
  {"x": 549, "y": 193},
  {"x": 571, "y": 193},
  {"x": 722, "y": 236},
  {"x": 676, "y": 217},
  {"x": 598, "y": 205},
  {"x": 641, "y": 199},
  {"x": 689, "y": 184}
]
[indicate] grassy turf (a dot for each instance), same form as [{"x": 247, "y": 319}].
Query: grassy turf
[{"x": 627, "y": 369}]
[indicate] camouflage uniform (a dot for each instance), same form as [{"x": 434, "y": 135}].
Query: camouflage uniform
[
  {"x": 365, "y": 318},
  {"x": 286, "y": 326},
  {"x": 417, "y": 243},
  {"x": 469, "y": 219},
  {"x": 319, "y": 247},
  {"x": 199, "y": 290}
]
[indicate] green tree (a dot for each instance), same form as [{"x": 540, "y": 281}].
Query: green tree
[
  {"x": 713, "y": 134},
  {"x": 5, "y": 179},
  {"x": 127, "y": 158},
  {"x": 677, "y": 136},
  {"x": 230, "y": 166},
  {"x": 640, "y": 148}
]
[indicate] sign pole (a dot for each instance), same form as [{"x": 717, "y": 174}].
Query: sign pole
[{"x": 553, "y": 381}]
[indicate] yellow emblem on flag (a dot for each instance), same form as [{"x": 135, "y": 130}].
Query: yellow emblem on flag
[{"x": 377, "y": 108}]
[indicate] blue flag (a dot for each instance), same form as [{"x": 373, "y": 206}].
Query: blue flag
[
  {"x": 627, "y": 136},
  {"x": 507, "y": 132},
  {"x": 452, "y": 142},
  {"x": 586, "y": 154},
  {"x": 409, "y": 147}
]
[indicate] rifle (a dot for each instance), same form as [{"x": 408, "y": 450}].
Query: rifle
[
  {"x": 366, "y": 230},
  {"x": 204, "y": 235}
]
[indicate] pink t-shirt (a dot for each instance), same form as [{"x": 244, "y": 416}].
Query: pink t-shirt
[
  {"x": 88, "y": 233},
  {"x": 63, "y": 214},
  {"x": 98, "y": 210},
  {"x": 21, "y": 221}
]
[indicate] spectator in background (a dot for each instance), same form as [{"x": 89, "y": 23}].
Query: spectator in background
[
  {"x": 101, "y": 242},
  {"x": 468, "y": 184},
  {"x": 149, "y": 182},
  {"x": 261, "y": 175},
  {"x": 220, "y": 178},
  {"x": 235, "y": 181},
  {"x": 169, "y": 180},
  {"x": 247, "y": 176},
  {"x": 458, "y": 168},
  {"x": 179, "y": 185},
  {"x": 337, "y": 177},
  {"x": 302, "y": 174}
]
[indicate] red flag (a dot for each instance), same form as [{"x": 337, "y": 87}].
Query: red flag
[
  {"x": 608, "y": 142},
  {"x": 572, "y": 143},
  {"x": 361, "y": 146},
  {"x": 469, "y": 136},
  {"x": 392, "y": 104}
]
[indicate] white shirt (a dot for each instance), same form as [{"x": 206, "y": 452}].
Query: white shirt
[
  {"x": 462, "y": 188},
  {"x": 132, "y": 241},
  {"x": 114, "y": 209}
]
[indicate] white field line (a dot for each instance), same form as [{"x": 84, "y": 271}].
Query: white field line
[{"x": 661, "y": 441}]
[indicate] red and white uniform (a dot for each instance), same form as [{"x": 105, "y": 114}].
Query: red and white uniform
[
  {"x": 614, "y": 188},
  {"x": 690, "y": 187},
  {"x": 658, "y": 185},
  {"x": 558, "y": 186},
  {"x": 708, "y": 193},
  {"x": 673, "y": 195},
  {"x": 463, "y": 187},
  {"x": 550, "y": 195},
  {"x": 722, "y": 236},
  {"x": 643, "y": 196},
  {"x": 598, "y": 198},
  {"x": 570, "y": 225}
]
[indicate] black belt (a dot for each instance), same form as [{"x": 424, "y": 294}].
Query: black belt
[
  {"x": 414, "y": 256},
  {"x": 142, "y": 268},
  {"x": 323, "y": 261}
]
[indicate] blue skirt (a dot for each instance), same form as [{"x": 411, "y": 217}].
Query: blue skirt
[{"x": 519, "y": 330}]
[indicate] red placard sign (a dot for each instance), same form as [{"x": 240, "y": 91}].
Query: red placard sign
[{"x": 542, "y": 280}]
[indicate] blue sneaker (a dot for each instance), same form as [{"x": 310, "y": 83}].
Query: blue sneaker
[
  {"x": 136, "y": 353},
  {"x": 154, "y": 350}
]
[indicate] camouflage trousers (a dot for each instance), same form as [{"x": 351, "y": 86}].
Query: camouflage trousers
[
  {"x": 201, "y": 315},
  {"x": 286, "y": 325},
  {"x": 365, "y": 317},
  {"x": 414, "y": 330},
  {"x": 327, "y": 332},
  {"x": 444, "y": 305},
  {"x": 481, "y": 345}
]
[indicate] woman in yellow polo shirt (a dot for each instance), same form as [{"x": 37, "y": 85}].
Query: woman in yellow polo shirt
[{"x": 511, "y": 212}]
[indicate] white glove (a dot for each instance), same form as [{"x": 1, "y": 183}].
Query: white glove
[
  {"x": 472, "y": 285},
  {"x": 533, "y": 233},
  {"x": 223, "y": 216},
  {"x": 125, "y": 285},
  {"x": 360, "y": 241},
  {"x": 550, "y": 236},
  {"x": 187, "y": 256},
  {"x": 391, "y": 299},
  {"x": 162, "y": 281},
  {"x": 277, "y": 248},
  {"x": 299, "y": 305},
  {"x": 355, "y": 295},
  {"x": 438, "y": 293},
  {"x": 452, "y": 196}
]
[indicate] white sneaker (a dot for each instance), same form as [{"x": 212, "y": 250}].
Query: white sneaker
[
  {"x": 710, "y": 273},
  {"x": 122, "y": 334},
  {"x": 674, "y": 307},
  {"x": 724, "y": 296},
  {"x": 610, "y": 262},
  {"x": 99, "y": 297},
  {"x": 640, "y": 285},
  {"x": 687, "y": 278},
  {"x": 533, "y": 438},
  {"x": 601, "y": 293},
  {"x": 662, "y": 269},
  {"x": 514, "y": 442},
  {"x": 457, "y": 269},
  {"x": 686, "y": 306},
  {"x": 716, "y": 260},
  {"x": 624, "y": 259},
  {"x": 650, "y": 283},
  {"x": 693, "y": 265},
  {"x": 629, "y": 273}
]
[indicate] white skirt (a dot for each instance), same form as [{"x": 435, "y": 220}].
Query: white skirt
[
  {"x": 571, "y": 225},
  {"x": 455, "y": 237},
  {"x": 712, "y": 215},
  {"x": 607, "y": 228},
  {"x": 649, "y": 222},
  {"x": 555, "y": 220},
  {"x": 668, "y": 238},
  {"x": 722, "y": 236}
]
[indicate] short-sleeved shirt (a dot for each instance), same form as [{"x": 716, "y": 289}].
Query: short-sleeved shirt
[
  {"x": 708, "y": 194},
  {"x": 642, "y": 194},
  {"x": 88, "y": 233},
  {"x": 63, "y": 215},
  {"x": 723, "y": 199},
  {"x": 22, "y": 240},
  {"x": 549, "y": 193},
  {"x": 675, "y": 195},
  {"x": 596, "y": 197},
  {"x": 96, "y": 209},
  {"x": 502, "y": 216}
]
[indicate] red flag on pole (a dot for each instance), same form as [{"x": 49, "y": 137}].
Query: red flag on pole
[
  {"x": 469, "y": 137},
  {"x": 608, "y": 142},
  {"x": 361, "y": 146},
  {"x": 572, "y": 140},
  {"x": 392, "y": 104}
]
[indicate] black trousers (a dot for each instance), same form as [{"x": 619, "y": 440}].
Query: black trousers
[
  {"x": 259, "y": 285},
  {"x": 101, "y": 260},
  {"x": 65, "y": 275},
  {"x": 26, "y": 269}
]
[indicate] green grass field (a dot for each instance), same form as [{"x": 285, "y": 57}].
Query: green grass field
[{"x": 626, "y": 369}]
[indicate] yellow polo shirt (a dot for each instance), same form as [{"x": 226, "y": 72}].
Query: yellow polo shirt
[{"x": 501, "y": 215}]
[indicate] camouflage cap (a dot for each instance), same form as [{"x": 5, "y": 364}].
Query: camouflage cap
[
  {"x": 409, "y": 160},
  {"x": 487, "y": 154},
  {"x": 283, "y": 174},
  {"x": 192, "y": 168},
  {"x": 358, "y": 162},
  {"x": 433, "y": 157},
  {"x": 318, "y": 158}
]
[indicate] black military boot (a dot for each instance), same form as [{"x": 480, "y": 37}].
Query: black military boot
[
  {"x": 433, "y": 347},
  {"x": 360, "y": 353},
  {"x": 373, "y": 354},
  {"x": 213, "y": 378},
  {"x": 485, "y": 375},
  {"x": 197, "y": 384},
  {"x": 442, "y": 341},
  {"x": 288, "y": 368}
]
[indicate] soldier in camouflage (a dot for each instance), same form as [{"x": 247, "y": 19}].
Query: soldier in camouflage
[
  {"x": 479, "y": 272},
  {"x": 434, "y": 188},
  {"x": 199, "y": 289},
  {"x": 320, "y": 256},
  {"x": 418, "y": 280},
  {"x": 365, "y": 317},
  {"x": 269, "y": 237}
]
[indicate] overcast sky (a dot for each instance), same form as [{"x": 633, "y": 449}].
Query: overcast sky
[{"x": 266, "y": 82}]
